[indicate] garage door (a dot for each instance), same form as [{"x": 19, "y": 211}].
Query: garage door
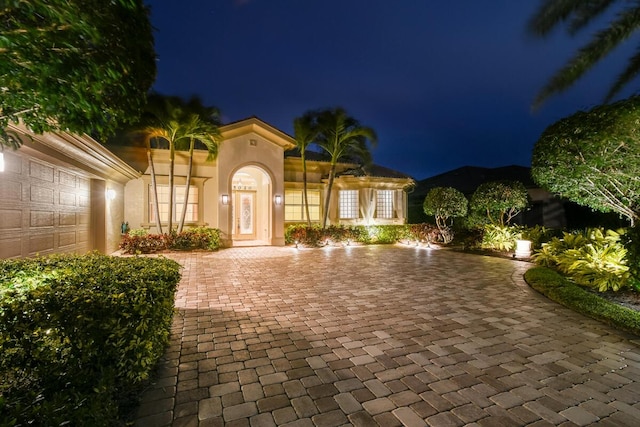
[{"x": 46, "y": 208}]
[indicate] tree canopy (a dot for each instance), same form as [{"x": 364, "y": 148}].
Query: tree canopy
[
  {"x": 593, "y": 158},
  {"x": 578, "y": 15},
  {"x": 82, "y": 66},
  {"x": 500, "y": 201},
  {"x": 445, "y": 203}
]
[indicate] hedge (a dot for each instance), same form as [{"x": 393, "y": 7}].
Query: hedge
[{"x": 77, "y": 333}]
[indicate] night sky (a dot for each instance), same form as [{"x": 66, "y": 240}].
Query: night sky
[{"x": 444, "y": 83}]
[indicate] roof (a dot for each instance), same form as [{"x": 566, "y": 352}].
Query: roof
[
  {"x": 371, "y": 170},
  {"x": 467, "y": 178}
]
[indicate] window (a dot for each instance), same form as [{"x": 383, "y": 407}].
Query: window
[
  {"x": 384, "y": 204},
  {"x": 349, "y": 204},
  {"x": 178, "y": 203},
  {"x": 294, "y": 205}
]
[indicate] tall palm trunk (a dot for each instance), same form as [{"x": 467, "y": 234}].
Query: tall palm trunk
[
  {"x": 327, "y": 201},
  {"x": 187, "y": 186},
  {"x": 154, "y": 188},
  {"x": 305, "y": 197},
  {"x": 172, "y": 161}
]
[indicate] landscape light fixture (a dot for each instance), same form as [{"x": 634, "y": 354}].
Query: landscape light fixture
[{"x": 225, "y": 199}]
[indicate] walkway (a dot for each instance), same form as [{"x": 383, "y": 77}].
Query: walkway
[{"x": 383, "y": 335}]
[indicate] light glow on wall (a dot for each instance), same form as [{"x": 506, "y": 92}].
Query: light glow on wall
[
  {"x": 1, "y": 162},
  {"x": 110, "y": 194}
]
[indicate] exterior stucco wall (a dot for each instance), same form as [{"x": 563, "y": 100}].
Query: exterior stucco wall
[{"x": 252, "y": 149}]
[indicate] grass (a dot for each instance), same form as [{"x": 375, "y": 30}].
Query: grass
[{"x": 557, "y": 288}]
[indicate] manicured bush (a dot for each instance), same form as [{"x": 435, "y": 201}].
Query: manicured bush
[
  {"x": 196, "y": 238},
  {"x": 556, "y": 287},
  {"x": 139, "y": 241},
  {"x": 314, "y": 236},
  {"x": 77, "y": 333}
]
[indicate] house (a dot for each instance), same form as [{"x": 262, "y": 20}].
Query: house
[{"x": 68, "y": 193}]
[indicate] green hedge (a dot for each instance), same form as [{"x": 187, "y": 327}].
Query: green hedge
[
  {"x": 365, "y": 234},
  {"x": 77, "y": 333},
  {"x": 139, "y": 241},
  {"x": 557, "y": 288}
]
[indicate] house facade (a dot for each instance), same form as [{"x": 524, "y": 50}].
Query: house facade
[
  {"x": 61, "y": 192},
  {"x": 253, "y": 189}
]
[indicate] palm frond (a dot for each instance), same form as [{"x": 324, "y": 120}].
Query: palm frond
[
  {"x": 587, "y": 12},
  {"x": 550, "y": 14},
  {"x": 601, "y": 44},
  {"x": 630, "y": 73}
]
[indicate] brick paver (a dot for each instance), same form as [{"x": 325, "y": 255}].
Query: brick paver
[{"x": 382, "y": 335}]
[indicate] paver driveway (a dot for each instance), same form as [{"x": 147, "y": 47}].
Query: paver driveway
[{"x": 382, "y": 335}]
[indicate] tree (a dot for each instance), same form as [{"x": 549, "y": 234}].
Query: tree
[
  {"x": 593, "y": 158},
  {"x": 500, "y": 201},
  {"x": 342, "y": 137},
  {"x": 445, "y": 203},
  {"x": 304, "y": 132},
  {"x": 180, "y": 125},
  {"x": 82, "y": 66},
  {"x": 577, "y": 15}
]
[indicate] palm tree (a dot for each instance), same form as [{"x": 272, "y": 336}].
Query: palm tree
[
  {"x": 304, "y": 132},
  {"x": 207, "y": 133},
  {"x": 342, "y": 137},
  {"x": 180, "y": 125},
  {"x": 577, "y": 14}
]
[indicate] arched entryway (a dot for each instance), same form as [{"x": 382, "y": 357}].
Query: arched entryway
[{"x": 251, "y": 214}]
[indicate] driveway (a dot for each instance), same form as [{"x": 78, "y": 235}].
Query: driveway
[{"x": 382, "y": 335}]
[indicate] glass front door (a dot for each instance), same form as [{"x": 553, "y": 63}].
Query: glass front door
[{"x": 245, "y": 215}]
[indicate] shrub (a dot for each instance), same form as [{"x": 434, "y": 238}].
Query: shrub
[
  {"x": 594, "y": 258},
  {"x": 77, "y": 333},
  {"x": 196, "y": 238},
  {"x": 314, "y": 236},
  {"x": 143, "y": 244},
  {"x": 445, "y": 203},
  {"x": 500, "y": 237}
]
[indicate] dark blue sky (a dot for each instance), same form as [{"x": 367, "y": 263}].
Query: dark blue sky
[{"x": 444, "y": 83}]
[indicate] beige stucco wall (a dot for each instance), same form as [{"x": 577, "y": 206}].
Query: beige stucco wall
[{"x": 252, "y": 149}]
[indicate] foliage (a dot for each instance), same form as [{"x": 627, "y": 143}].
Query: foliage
[
  {"x": 315, "y": 236},
  {"x": 556, "y": 287},
  {"x": 343, "y": 138},
  {"x": 594, "y": 258},
  {"x": 196, "y": 238},
  {"x": 138, "y": 232},
  {"x": 142, "y": 242},
  {"x": 179, "y": 124},
  {"x": 445, "y": 203},
  {"x": 82, "y": 66},
  {"x": 501, "y": 237},
  {"x": 577, "y": 15},
  {"x": 77, "y": 333},
  {"x": 500, "y": 201},
  {"x": 304, "y": 132},
  {"x": 538, "y": 234},
  {"x": 592, "y": 158},
  {"x": 631, "y": 240}
]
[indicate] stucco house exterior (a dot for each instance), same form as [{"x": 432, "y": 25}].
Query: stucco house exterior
[{"x": 67, "y": 193}]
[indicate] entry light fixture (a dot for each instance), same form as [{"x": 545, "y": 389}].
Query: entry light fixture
[
  {"x": 225, "y": 199},
  {"x": 110, "y": 194},
  {"x": 277, "y": 199},
  {"x": 1, "y": 161}
]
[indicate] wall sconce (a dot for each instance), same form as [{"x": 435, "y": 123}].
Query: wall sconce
[
  {"x": 225, "y": 199},
  {"x": 110, "y": 194},
  {"x": 277, "y": 199},
  {"x": 1, "y": 162}
]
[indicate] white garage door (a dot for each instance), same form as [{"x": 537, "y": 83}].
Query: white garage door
[{"x": 46, "y": 208}]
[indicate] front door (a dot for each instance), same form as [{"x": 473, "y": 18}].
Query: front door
[{"x": 245, "y": 215}]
